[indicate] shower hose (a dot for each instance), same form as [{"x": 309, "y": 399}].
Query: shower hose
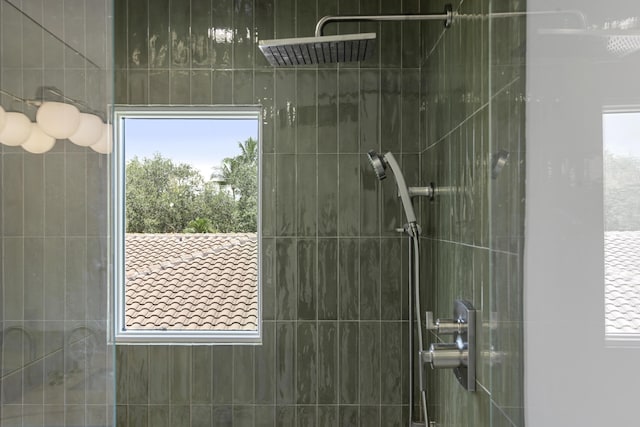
[{"x": 413, "y": 232}]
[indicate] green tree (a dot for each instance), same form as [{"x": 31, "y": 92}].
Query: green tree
[
  {"x": 240, "y": 173},
  {"x": 200, "y": 225},
  {"x": 161, "y": 197}
]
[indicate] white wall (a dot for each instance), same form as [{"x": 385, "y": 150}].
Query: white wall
[{"x": 572, "y": 377}]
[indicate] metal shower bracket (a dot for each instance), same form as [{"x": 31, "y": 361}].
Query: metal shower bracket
[{"x": 447, "y": 17}]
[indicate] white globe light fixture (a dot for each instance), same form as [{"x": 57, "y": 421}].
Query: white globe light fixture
[
  {"x": 104, "y": 144},
  {"x": 58, "y": 119},
  {"x": 3, "y": 118},
  {"x": 16, "y": 130},
  {"x": 89, "y": 131},
  {"x": 38, "y": 142}
]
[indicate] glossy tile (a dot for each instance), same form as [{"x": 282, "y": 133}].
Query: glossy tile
[
  {"x": 243, "y": 375},
  {"x": 327, "y": 96},
  {"x": 222, "y": 415},
  {"x": 307, "y": 110},
  {"x": 306, "y": 416},
  {"x": 327, "y": 205},
  {"x": 137, "y": 54},
  {"x": 306, "y": 363},
  {"x": 348, "y": 416},
  {"x": 348, "y": 111},
  {"x": 369, "y": 416},
  {"x": 243, "y": 86},
  {"x": 285, "y": 19},
  {"x": 265, "y": 416},
  {"x": 222, "y": 87},
  {"x": 307, "y": 279},
  {"x": 201, "y": 416},
  {"x": 285, "y": 194},
  {"x": 285, "y": 113},
  {"x": 264, "y": 367},
  {"x": 159, "y": 35},
  {"x": 328, "y": 363},
  {"x": 285, "y": 364},
  {"x": 137, "y": 415},
  {"x": 221, "y": 377},
  {"x": 180, "y": 375},
  {"x": 286, "y": 279},
  {"x": 391, "y": 110},
  {"x": 349, "y": 190},
  {"x": 180, "y": 416},
  {"x": 369, "y": 279},
  {"x": 268, "y": 279},
  {"x": 369, "y": 365},
  {"x": 222, "y": 29},
  {"x": 201, "y": 87},
  {"x": 393, "y": 276},
  {"x": 202, "y": 365},
  {"x": 285, "y": 415},
  {"x": 327, "y": 416},
  {"x": 243, "y": 415},
  {"x": 200, "y": 34},
  {"x": 179, "y": 81},
  {"x": 307, "y": 187},
  {"x": 179, "y": 50},
  {"x": 391, "y": 358},
  {"x": 160, "y": 366},
  {"x": 327, "y": 285},
  {"x": 392, "y": 416},
  {"x": 390, "y": 36},
  {"x": 138, "y": 375},
  {"x": 264, "y": 95},
  {"x": 265, "y": 27},
  {"x": 348, "y": 364},
  {"x": 369, "y": 109},
  {"x": 410, "y": 111},
  {"x": 348, "y": 279}
]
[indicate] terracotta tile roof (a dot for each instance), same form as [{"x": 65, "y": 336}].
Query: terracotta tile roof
[
  {"x": 191, "y": 281},
  {"x": 622, "y": 283}
]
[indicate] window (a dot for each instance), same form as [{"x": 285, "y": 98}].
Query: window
[
  {"x": 621, "y": 140},
  {"x": 187, "y": 224}
]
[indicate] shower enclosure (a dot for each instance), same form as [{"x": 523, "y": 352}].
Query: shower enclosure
[
  {"x": 334, "y": 349},
  {"x": 56, "y": 366}
]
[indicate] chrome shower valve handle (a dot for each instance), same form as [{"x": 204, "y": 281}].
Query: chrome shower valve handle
[
  {"x": 459, "y": 355},
  {"x": 445, "y": 326}
]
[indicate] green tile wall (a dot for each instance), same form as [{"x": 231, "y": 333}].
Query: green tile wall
[
  {"x": 473, "y": 86},
  {"x": 333, "y": 352}
]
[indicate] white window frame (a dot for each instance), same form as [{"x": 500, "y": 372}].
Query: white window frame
[{"x": 119, "y": 333}]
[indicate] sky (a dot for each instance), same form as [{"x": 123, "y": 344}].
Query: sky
[
  {"x": 200, "y": 142},
  {"x": 621, "y": 133}
]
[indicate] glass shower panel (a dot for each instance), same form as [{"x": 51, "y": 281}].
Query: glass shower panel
[
  {"x": 503, "y": 296},
  {"x": 56, "y": 368}
]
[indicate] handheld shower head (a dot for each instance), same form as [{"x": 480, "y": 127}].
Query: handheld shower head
[{"x": 379, "y": 165}]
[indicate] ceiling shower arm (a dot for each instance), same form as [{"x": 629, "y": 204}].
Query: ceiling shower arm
[{"x": 447, "y": 17}]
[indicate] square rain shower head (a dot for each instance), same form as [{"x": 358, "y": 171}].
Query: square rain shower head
[{"x": 318, "y": 50}]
